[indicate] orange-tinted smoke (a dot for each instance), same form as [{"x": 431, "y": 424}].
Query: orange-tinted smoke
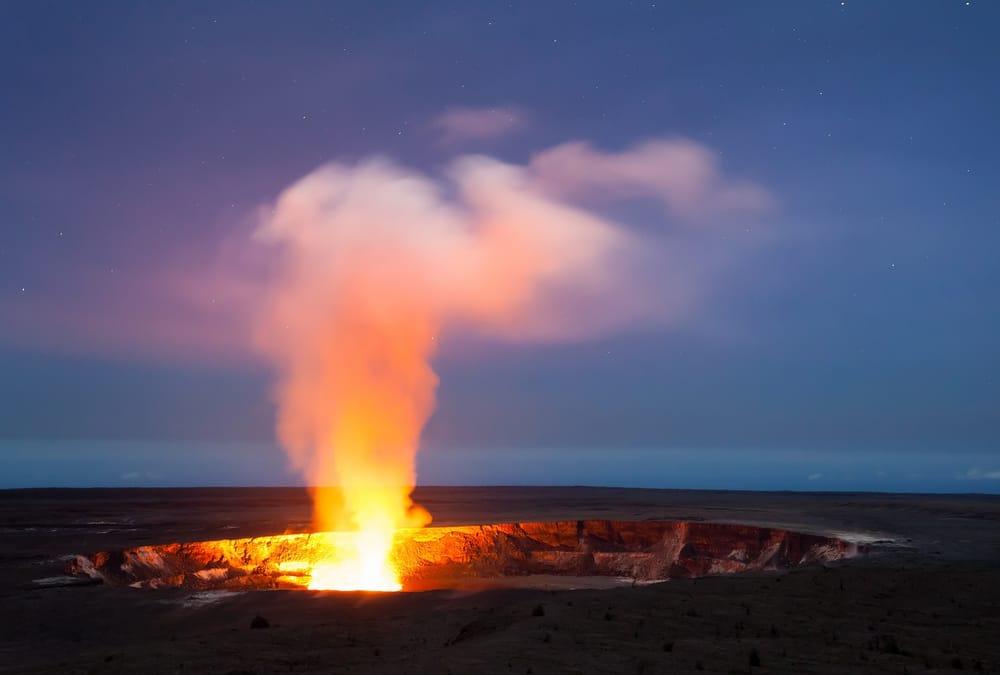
[{"x": 374, "y": 264}]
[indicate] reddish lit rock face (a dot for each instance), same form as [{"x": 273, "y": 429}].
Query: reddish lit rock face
[{"x": 439, "y": 557}]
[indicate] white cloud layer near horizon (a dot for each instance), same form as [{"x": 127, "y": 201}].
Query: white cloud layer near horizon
[{"x": 980, "y": 474}]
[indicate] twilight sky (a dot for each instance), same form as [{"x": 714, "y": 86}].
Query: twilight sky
[{"x": 819, "y": 181}]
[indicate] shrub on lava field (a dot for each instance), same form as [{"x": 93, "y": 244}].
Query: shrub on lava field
[
  {"x": 754, "y": 658},
  {"x": 538, "y": 611},
  {"x": 260, "y": 622},
  {"x": 888, "y": 644}
]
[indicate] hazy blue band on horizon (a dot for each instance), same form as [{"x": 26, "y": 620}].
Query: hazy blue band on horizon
[{"x": 182, "y": 463}]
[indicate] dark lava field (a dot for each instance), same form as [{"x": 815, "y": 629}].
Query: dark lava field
[{"x": 923, "y": 596}]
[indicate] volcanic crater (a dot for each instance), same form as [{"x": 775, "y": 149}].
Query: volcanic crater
[{"x": 584, "y": 552}]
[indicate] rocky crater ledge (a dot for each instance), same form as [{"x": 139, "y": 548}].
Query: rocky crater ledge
[{"x": 436, "y": 557}]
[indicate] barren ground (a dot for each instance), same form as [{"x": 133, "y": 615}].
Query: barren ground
[{"x": 925, "y": 599}]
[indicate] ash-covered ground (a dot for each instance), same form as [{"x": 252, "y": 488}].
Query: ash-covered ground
[{"x": 926, "y": 598}]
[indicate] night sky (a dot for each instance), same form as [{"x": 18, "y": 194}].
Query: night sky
[{"x": 842, "y": 337}]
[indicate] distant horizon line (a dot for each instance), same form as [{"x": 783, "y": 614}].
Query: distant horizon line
[{"x": 124, "y": 488}]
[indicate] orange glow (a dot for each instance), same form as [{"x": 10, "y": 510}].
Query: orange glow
[
  {"x": 344, "y": 561},
  {"x": 366, "y": 566},
  {"x": 379, "y": 394}
]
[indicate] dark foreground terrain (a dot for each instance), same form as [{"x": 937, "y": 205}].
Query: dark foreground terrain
[{"x": 924, "y": 599}]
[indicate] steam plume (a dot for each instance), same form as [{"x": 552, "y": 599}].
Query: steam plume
[{"x": 375, "y": 262}]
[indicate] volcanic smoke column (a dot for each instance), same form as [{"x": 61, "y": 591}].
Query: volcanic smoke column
[{"x": 373, "y": 263}]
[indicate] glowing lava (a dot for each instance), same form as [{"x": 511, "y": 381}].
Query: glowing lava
[
  {"x": 344, "y": 561},
  {"x": 365, "y": 565},
  {"x": 335, "y": 561}
]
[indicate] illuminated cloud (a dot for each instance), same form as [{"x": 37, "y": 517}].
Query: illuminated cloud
[
  {"x": 459, "y": 124},
  {"x": 530, "y": 256}
]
